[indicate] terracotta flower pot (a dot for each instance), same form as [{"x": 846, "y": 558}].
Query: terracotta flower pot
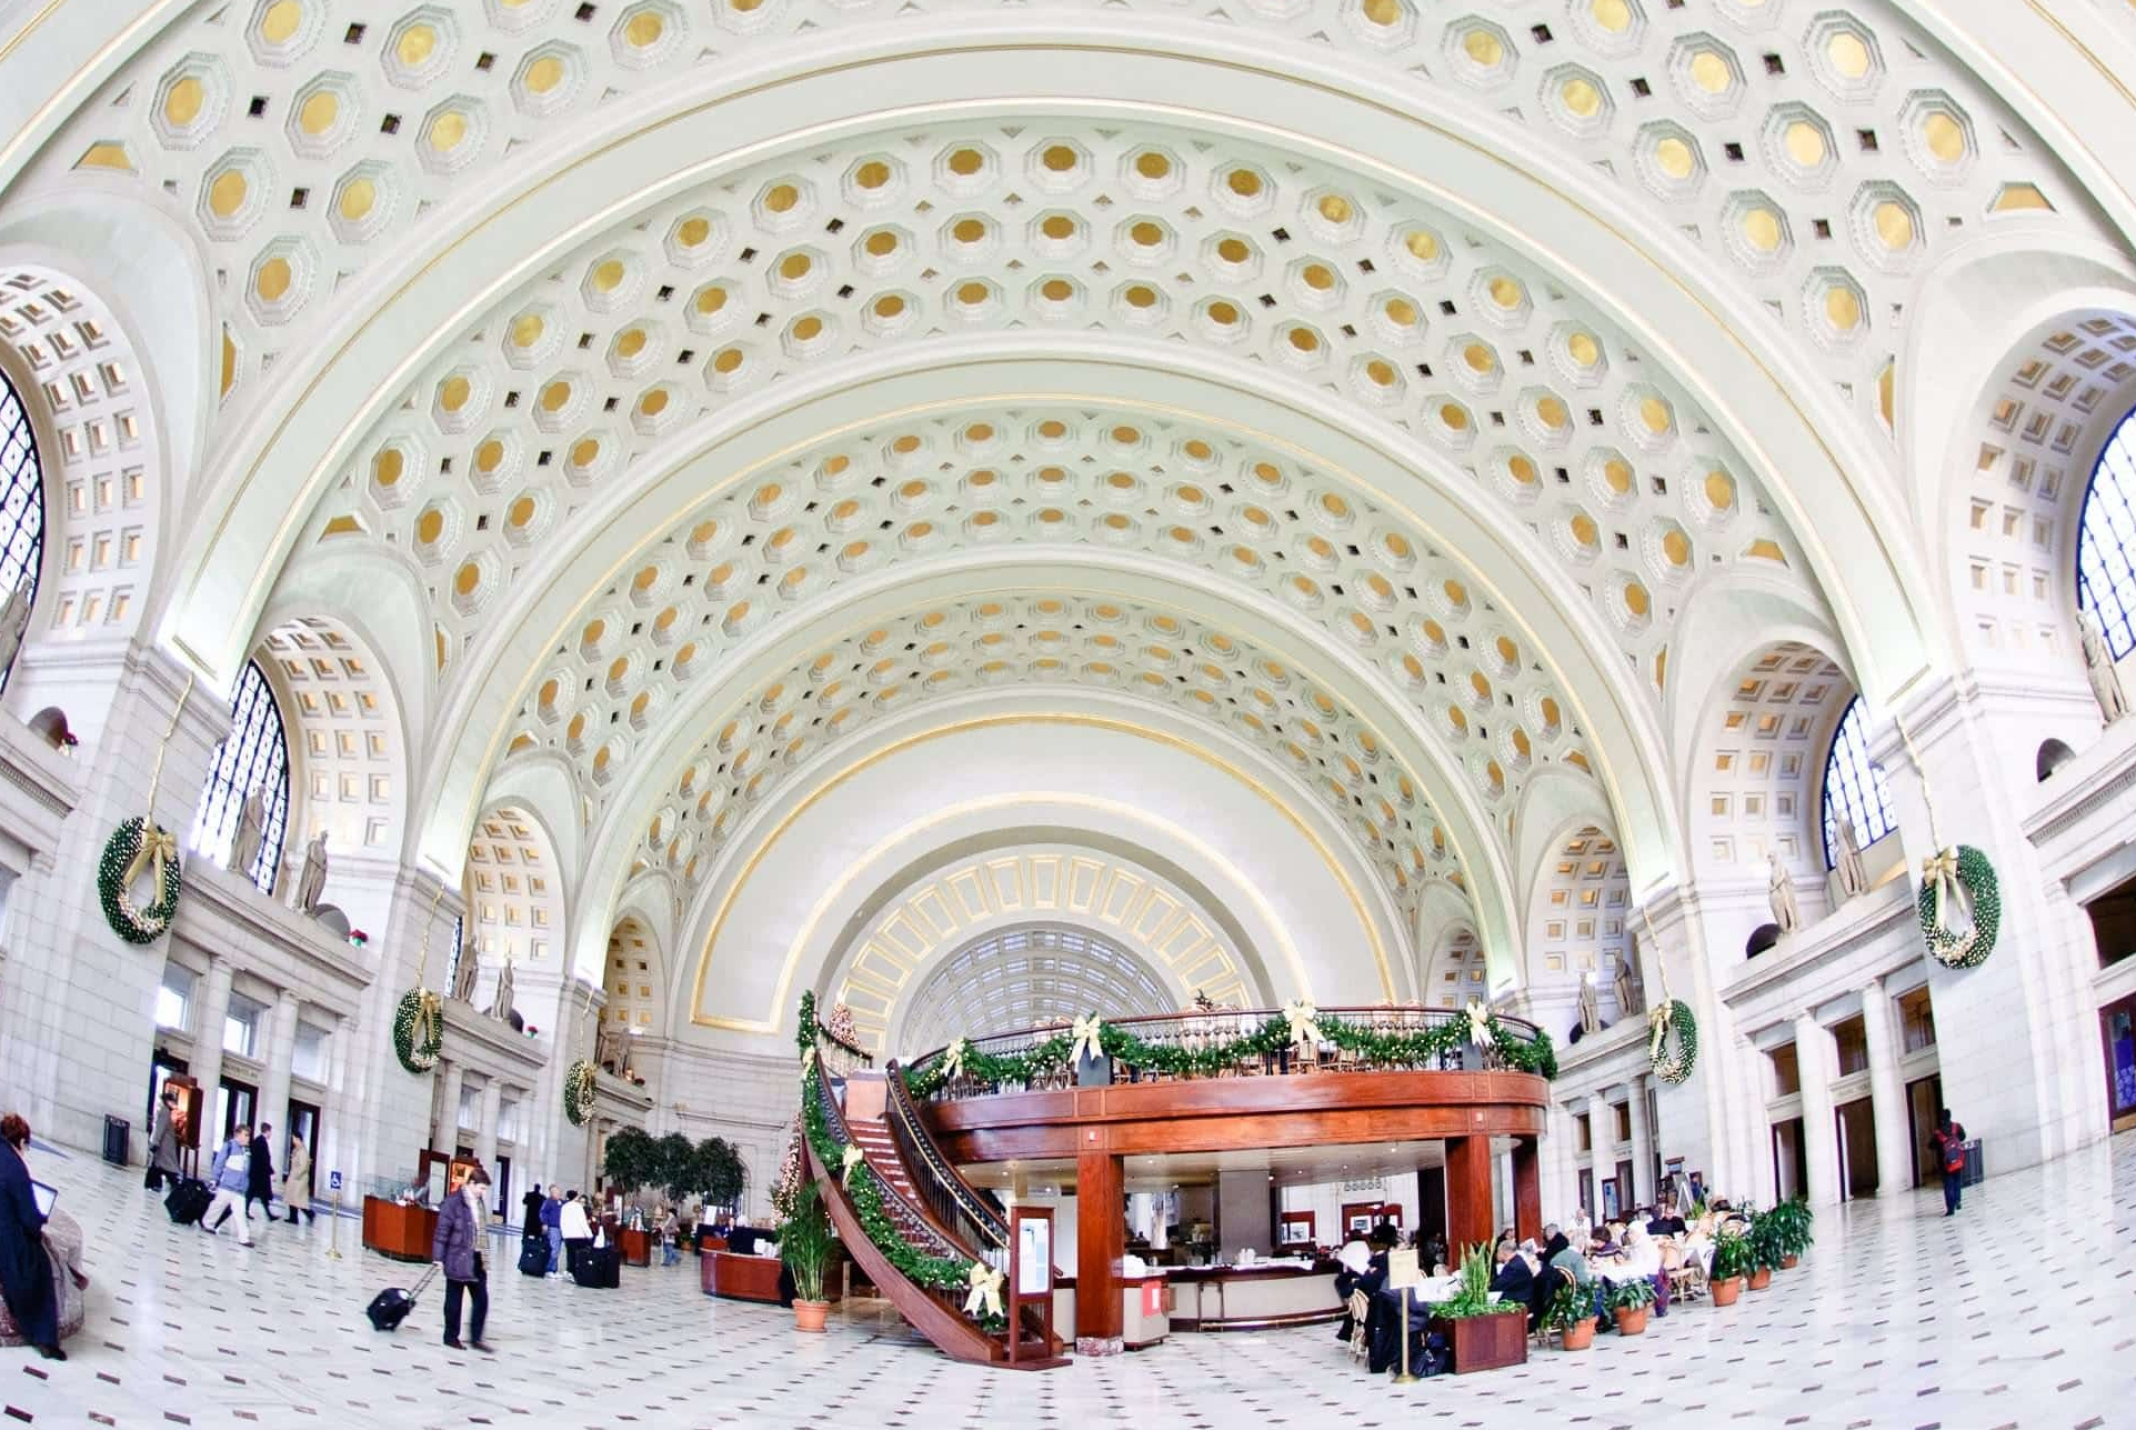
[
  {"x": 1580, "y": 1334},
  {"x": 1631, "y": 1320},
  {"x": 809, "y": 1315},
  {"x": 1726, "y": 1290},
  {"x": 1761, "y": 1278},
  {"x": 1789, "y": 1263}
]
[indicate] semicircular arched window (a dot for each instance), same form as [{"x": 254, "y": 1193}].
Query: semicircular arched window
[
  {"x": 1021, "y": 977},
  {"x": 1854, "y": 787},
  {"x": 254, "y": 757},
  {"x": 22, "y": 511},
  {"x": 2106, "y": 541}
]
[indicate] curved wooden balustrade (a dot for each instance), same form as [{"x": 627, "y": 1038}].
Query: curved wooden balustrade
[{"x": 956, "y": 1204}]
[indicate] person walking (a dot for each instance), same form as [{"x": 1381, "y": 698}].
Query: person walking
[
  {"x": 297, "y": 1181},
  {"x": 261, "y": 1188},
  {"x": 670, "y": 1228},
  {"x": 1949, "y": 1142},
  {"x": 163, "y": 1144},
  {"x": 577, "y": 1230},
  {"x": 552, "y": 1229},
  {"x": 456, "y": 1247},
  {"x": 25, "y": 1270},
  {"x": 530, "y": 1213},
  {"x": 231, "y": 1176}
]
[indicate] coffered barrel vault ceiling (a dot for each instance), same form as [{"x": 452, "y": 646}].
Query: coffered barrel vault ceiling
[{"x": 640, "y": 637}]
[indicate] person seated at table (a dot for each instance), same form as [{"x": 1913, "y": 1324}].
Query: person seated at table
[
  {"x": 1641, "y": 1258},
  {"x": 1514, "y": 1279},
  {"x": 1355, "y": 1259},
  {"x": 1667, "y": 1221},
  {"x": 1605, "y": 1242}
]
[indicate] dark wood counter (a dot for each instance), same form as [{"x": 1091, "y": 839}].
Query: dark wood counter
[
  {"x": 637, "y": 1247},
  {"x": 740, "y": 1278},
  {"x": 401, "y": 1232},
  {"x": 1253, "y": 1298}
]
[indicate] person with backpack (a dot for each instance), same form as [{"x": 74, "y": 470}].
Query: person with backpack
[
  {"x": 1949, "y": 1142},
  {"x": 231, "y": 1176}
]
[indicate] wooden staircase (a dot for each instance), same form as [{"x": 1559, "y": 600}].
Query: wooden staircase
[{"x": 938, "y": 1315}]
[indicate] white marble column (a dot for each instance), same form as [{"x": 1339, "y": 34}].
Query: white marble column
[
  {"x": 1887, "y": 1093},
  {"x": 275, "y": 1061},
  {"x": 205, "y": 1066},
  {"x": 1813, "y": 1055},
  {"x": 1642, "y": 1145},
  {"x": 1602, "y": 1143},
  {"x": 445, "y": 1136},
  {"x": 490, "y": 1104}
]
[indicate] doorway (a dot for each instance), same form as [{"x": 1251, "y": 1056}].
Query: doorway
[
  {"x": 1854, "y": 1124},
  {"x": 2117, "y": 1037},
  {"x": 304, "y": 1123},
  {"x": 1587, "y": 1192},
  {"x": 234, "y": 1105},
  {"x": 1791, "y": 1162},
  {"x": 1924, "y": 1099}
]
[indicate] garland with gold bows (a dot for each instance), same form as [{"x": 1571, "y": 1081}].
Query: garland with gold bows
[
  {"x": 419, "y": 1021},
  {"x": 581, "y": 1082},
  {"x": 1671, "y": 1014},
  {"x": 1960, "y": 902},
  {"x": 984, "y": 1298},
  {"x": 1304, "y": 1031},
  {"x": 141, "y": 846}
]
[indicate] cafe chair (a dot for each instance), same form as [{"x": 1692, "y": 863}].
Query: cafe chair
[{"x": 1360, "y": 1312}]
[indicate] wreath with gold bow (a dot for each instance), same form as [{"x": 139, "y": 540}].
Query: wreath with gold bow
[
  {"x": 579, "y": 1092},
  {"x": 1673, "y": 1016},
  {"x": 137, "y": 848},
  {"x": 419, "y": 1029},
  {"x": 1960, "y": 906}
]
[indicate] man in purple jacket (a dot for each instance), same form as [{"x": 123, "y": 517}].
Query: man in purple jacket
[{"x": 457, "y": 1248}]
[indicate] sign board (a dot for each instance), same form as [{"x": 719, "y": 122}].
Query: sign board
[
  {"x": 1152, "y": 1298},
  {"x": 1034, "y": 1256},
  {"x": 1030, "y": 1273},
  {"x": 1402, "y": 1268},
  {"x": 333, "y": 1181}
]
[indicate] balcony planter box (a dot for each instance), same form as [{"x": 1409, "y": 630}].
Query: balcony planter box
[{"x": 1486, "y": 1342}]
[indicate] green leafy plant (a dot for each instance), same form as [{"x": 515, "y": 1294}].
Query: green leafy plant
[
  {"x": 673, "y": 1166},
  {"x": 1732, "y": 1255},
  {"x": 1568, "y": 1308},
  {"x": 1767, "y": 1239},
  {"x": 630, "y": 1161},
  {"x": 716, "y": 1170},
  {"x": 805, "y": 1243},
  {"x": 1791, "y": 1221},
  {"x": 1633, "y": 1295},
  {"x": 1474, "y": 1296}
]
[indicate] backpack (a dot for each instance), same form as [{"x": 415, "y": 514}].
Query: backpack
[{"x": 1953, "y": 1143}]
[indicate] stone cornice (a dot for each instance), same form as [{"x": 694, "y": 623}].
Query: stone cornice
[
  {"x": 39, "y": 771},
  {"x": 515, "y": 1051},
  {"x": 2104, "y": 774},
  {"x": 1809, "y": 953},
  {"x": 215, "y": 897}
]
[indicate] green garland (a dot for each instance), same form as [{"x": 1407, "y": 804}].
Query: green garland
[
  {"x": 1978, "y": 877},
  {"x": 1374, "y": 1049},
  {"x": 136, "y": 925},
  {"x": 864, "y": 1191},
  {"x": 1676, "y": 1067},
  {"x": 580, "y": 1088},
  {"x": 412, "y": 1005}
]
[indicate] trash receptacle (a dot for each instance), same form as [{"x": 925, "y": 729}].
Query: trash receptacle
[
  {"x": 1974, "y": 1170},
  {"x": 116, "y": 1131}
]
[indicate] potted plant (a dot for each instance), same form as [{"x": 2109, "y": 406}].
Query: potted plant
[
  {"x": 1765, "y": 1249},
  {"x": 1483, "y": 1333},
  {"x": 1732, "y": 1261},
  {"x": 805, "y": 1247},
  {"x": 1792, "y": 1233},
  {"x": 1628, "y": 1302},
  {"x": 1572, "y": 1315}
]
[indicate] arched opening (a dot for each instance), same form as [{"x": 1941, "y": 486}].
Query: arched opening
[
  {"x": 1854, "y": 790},
  {"x": 2053, "y": 754},
  {"x": 247, "y": 790},
  {"x": 635, "y": 978},
  {"x": 1457, "y": 970},
  {"x": 515, "y": 902},
  {"x": 2106, "y": 541},
  {"x": 1023, "y": 977},
  {"x": 22, "y": 523},
  {"x": 1576, "y": 932}
]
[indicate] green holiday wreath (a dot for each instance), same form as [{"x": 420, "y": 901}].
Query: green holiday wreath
[
  {"x": 1674, "y": 1015},
  {"x": 419, "y": 1029},
  {"x": 1976, "y": 876},
  {"x": 135, "y": 849},
  {"x": 579, "y": 1090}
]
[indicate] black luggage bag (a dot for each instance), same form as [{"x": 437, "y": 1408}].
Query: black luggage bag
[
  {"x": 599, "y": 1267},
  {"x": 187, "y": 1200},
  {"x": 391, "y": 1306},
  {"x": 534, "y": 1255}
]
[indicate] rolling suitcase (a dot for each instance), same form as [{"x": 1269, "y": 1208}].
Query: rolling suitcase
[
  {"x": 598, "y": 1267},
  {"x": 391, "y": 1306},
  {"x": 534, "y": 1256},
  {"x": 187, "y": 1200}
]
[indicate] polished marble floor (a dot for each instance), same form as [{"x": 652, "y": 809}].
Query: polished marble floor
[{"x": 2020, "y": 1312}]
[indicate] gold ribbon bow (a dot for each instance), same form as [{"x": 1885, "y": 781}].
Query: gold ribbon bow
[
  {"x": 1302, "y": 1027},
  {"x": 1954, "y": 911},
  {"x": 953, "y": 1060},
  {"x": 158, "y": 847},
  {"x": 985, "y": 1295},
  {"x": 808, "y": 1059},
  {"x": 427, "y": 1008},
  {"x": 1088, "y": 1032},
  {"x": 853, "y": 1158},
  {"x": 1659, "y": 1020},
  {"x": 1479, "y": 1021}
]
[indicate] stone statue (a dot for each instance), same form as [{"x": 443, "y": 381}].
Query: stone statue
[
  {"x": 610, "y": 1047},
  {"x": 14, "y": 621},
  {"x": 250, "y": 833},
  {"x": 1853, "y": 876},
  {"x": 1781, "y": 891},
  {"x": 2100, "y": 669},
  {"x": 311, "y": 885},
  {"x": 1628, "y": 999},
  {"x": 501, "y": 1003},
  {"x": 463, "y": 978},
  {"x": 1590, "y": 1014}
]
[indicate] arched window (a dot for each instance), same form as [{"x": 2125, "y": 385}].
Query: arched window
[
  {"x": 254, "y": 757},
  {"x": 1854, "y": 788},
  {"x": 2106, "y": 540},
  {"x": 22, "y": 513},
  {"x": 1021, "y": 977}
]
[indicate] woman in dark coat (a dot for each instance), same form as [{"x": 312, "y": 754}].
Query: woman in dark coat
[{"x": 25, "y": 1270}]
